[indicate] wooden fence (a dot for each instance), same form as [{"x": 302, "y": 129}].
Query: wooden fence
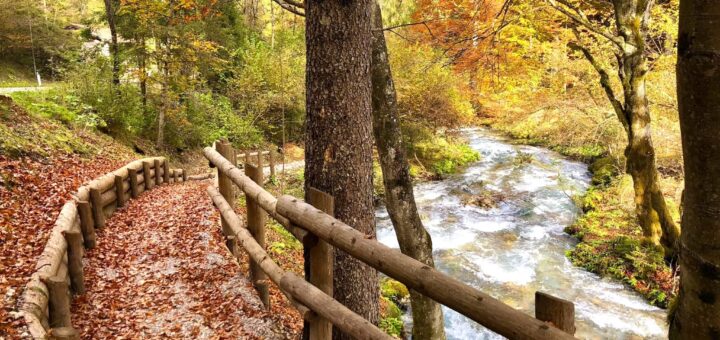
[
  {"x": 319, "y": 232},
  {"x": 46, "y": 299}
]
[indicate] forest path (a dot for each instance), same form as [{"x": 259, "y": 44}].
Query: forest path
[{"x": 161, "y": 269}]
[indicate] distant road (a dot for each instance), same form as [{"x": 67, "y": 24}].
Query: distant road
[{"x": 6, "y": 90}]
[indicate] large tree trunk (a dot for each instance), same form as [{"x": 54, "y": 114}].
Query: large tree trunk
[
  {"x": 697, "y": 313},
  {"x": 115, "y": 49},
  {"x": 338, "y": 136},
  {"x": 414, "y": 240},
  {"x": 657, "y": 224}
]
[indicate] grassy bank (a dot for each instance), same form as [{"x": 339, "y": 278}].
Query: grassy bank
[{"x": 608, "y": 233}]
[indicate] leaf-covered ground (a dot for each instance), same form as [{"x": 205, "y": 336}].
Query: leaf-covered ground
[
  {"x": 161, "y": 270},
  {"x": 32, "y": 191}
]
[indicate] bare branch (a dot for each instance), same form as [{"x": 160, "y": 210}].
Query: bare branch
[
  {"x": 579, "y": 17},
  {"x": 290, "y": 8},
  {"x": 604, "y": 82}
]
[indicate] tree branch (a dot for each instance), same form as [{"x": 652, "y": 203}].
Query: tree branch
[
  {"x": 290, "y": 8},
  {"x": 579, "y": 17},
  {"x": 604, "y": 82}
]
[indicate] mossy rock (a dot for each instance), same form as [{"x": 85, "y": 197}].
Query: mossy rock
[
  {"x": 603, "y": 170},
  {"x": 393, "y": 289}
]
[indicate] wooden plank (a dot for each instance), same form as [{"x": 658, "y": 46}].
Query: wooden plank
[
  {"x": 476, "y": 305},
  {"x": 166, "y": 171},
  {"x": 319, "y": 266},
  {"x": 256, "y": 219},
  {"x": 559, "y": 312}
]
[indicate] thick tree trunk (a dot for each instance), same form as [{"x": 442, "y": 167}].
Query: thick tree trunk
[
  {"x": 697, "y": 313},
  {"x": 657, "y": 224},
  {"x": 338, "y": 136},
  {"x": 115, "y": 49},
  {"x": 414, "y": 240}
]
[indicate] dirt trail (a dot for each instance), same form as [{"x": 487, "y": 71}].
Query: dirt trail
[{"x": 161, "y": 270}]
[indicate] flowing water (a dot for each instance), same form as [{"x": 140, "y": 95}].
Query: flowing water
[{"x": 518, "y": 247}]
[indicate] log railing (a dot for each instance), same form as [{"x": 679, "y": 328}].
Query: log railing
[
  {"x": 320, "y": 232},
  {"x": 46, "y": 299}
]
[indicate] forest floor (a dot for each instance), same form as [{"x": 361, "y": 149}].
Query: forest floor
[{"x": 161, "y": 269}]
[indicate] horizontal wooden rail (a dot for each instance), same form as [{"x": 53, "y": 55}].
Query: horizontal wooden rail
[
  {"x": 295, "y": 214},
  {"x": 266, "y": 200},
  {"x": 293, "y": 286}
]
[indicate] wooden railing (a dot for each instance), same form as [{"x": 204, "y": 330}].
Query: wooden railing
[
  {"x": 46, "y": 298},
  {"x": 319, "y": 232}
]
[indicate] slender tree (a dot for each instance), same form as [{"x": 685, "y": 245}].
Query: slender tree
[
  {"x": 338, "y": 135},
  {"x": 697, "y": 310},
  {"x": 414, "y": 240},
  {"x": 631, "y": 24},
  {"x": 110, "y": 11}
]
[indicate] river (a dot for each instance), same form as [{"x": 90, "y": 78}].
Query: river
[{"x": 518, "y": 247}]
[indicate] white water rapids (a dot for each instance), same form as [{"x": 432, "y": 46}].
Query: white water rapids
[{"x": 519, "y": 247}]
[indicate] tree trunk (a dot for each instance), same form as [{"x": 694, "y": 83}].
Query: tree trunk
[
  {"x": 338, "y": 136},
  {"x": 657, "y": 224},
  {"x": 115, "y": 50},
  {"x": 142, "y": 59},
  {"x": 414, "y": 240},
  {"x": 698, "y": 305}
]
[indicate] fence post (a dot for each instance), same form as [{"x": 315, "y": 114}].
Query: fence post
[
  {"x": 146, "y": 176},
  {"x": 184, "y": 175},
  {"x": 166, "y": 171},
  {"x": 75, "y": 267},
  {"x": 86, "y": 224},
  {"x": 259, "y": 159},
  {"x": 561, "y": 313},
  {"x": 271, "y": 157},
  {"x": 119, "y": 191},
  {"x": 97, "y": 208},
  {"x": 158, "y": 178},
  {"x": 247, "y": 156},
  {"x": 58, "y": 301},
  {"x": 319, "y": 266},
  {"x": 64, "y": 333},
  {"x": 132, "y": 179},
  {"x": 256, "y": 218},
  {"x": 225, "y": 185}
]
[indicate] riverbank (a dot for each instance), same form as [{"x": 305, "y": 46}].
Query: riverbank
[{"x": 608, "y": 234}]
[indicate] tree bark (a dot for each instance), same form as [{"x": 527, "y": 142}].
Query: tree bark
[
  {"x": 338, "y": 134},
  {"x": 414, "y": 240},
  {"x": 115, "y": 49},
  {"x": 655, "y": 219},
  {"x": 698, "y": 78}
]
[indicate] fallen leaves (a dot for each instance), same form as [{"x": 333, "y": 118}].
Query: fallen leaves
[{"x": 161, "y": 270}]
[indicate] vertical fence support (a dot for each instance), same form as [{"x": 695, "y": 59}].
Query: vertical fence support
[
  {"x": 166, "y": 171},
  {"x": 319, "y": 266},
  {"x": 65, "y": 333},
  {"x": 58, "y": 301},
  {"x": 132, "y": 179},
  {"x": 184, "y": 175},
  {"x": 86, "y": 224},
  {"x": 271, "y": 158},
  {"x": 256, "y": 218},
  {"x": 231, "y": 243},
  {"x": 119, "y": 191},
  {"x": 247, "y": 155},
  {"x": 225, "y": 185},
  {"x": 148, "y": 180},
  {"x": 561, "y": 313},
  {"x": 97, "y": 208},
  {"x": 259, "y": 159},
  {"x": 158, "y": 178},
  {"x": 75, "y": 266}
]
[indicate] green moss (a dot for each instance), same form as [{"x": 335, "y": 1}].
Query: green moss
[
  {"x": 393, "y": 289},
  {"x": 604, "y": 170},
  {"x": 392, "y": 293}
]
